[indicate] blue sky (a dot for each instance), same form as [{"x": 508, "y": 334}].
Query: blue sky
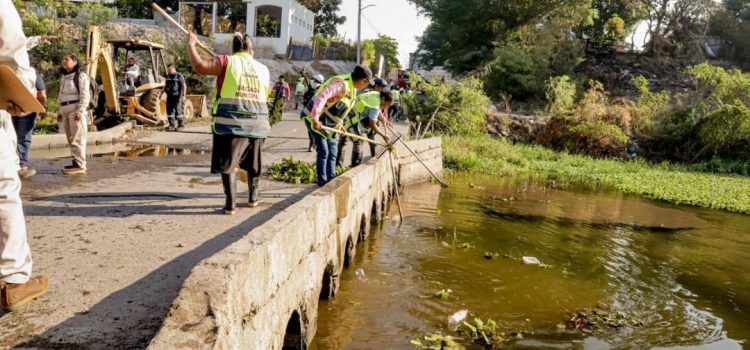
[{"x": 395, "y": 18}]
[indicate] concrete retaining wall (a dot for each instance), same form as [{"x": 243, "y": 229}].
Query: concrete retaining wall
[
  {"x": 93, "y": 138},
  {"x": 262, "y": 292}
]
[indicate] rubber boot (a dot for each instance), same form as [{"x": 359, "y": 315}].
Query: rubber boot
[
  {"x": 229, "y": 181},
  {"x": 254, "y": 199}
]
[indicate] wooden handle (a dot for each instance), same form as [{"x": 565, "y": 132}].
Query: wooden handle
[
  {"x": 381, "y": 144},
  {"x": 169, "y": 18}
]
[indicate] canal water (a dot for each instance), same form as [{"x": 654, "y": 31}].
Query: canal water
[{"x": 679, "y": 276}]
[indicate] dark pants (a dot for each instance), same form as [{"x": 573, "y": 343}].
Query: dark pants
[
  {"x": 394, "y": 112},
  {"x": 371, "y": 136},
  {"x": 325, "y": 160},
  {"x": 310, "y": 136},
  {"x": 175, "y": 111},
  {"x": 356, "y": 149},
  {"x": 24, "y": 128},
  {"x": 230, "y": 153}
]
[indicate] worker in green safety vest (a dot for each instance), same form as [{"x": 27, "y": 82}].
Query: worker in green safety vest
[
  {"x": 331, "y": 103},
  {"x": 363, "y": 119},
  {"x": 240, "y": 121}
]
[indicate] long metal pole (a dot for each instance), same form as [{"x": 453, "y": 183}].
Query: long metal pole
[
  {"x": 417, "y": 157},
  {"x": 395, "y": 183},
  {"x": 178, "y": 26},
  {"x": 359, "y": 32}
]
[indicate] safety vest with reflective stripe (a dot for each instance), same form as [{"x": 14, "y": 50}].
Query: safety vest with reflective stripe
[
  {"x": 328, "y": 113},
  {"x": 396, "y": 95},
  {"x": 368, "y": 100},
  {"x": 241, "y": 108}
]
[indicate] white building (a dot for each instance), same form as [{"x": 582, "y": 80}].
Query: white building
[{"x": 273, "y": 24}]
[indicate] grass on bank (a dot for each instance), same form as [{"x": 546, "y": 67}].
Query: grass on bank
[{"x": 668, "y": 182}]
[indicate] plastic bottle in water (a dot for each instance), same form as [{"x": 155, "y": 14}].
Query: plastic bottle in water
[
  {"x": 360, "y": 272},
  {"x": 456, "y": 318}
]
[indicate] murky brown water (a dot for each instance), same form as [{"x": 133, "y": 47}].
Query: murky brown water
[{"x": 684, "y": 272}]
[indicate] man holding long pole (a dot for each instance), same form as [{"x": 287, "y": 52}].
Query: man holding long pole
[
  {"x": 331, "y": 103},
  {"x": 240, "y": 116}
]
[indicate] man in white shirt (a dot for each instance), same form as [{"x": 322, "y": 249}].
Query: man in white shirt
[
  {"x": 132, "y": 72},
  {"x": 16, "y": 285}
]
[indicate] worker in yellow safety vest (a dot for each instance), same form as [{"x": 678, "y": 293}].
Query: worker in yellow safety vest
[
  {"x": 363, "y": 119},
  {"x": 240, "y": 121},
  {"x": 331, "y": 103}
]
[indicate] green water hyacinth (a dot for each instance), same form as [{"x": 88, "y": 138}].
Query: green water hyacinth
[{"x": 679, "y": 184}]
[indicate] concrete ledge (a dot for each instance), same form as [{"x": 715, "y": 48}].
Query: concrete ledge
[
  {"x": 262, "y": 292},
  {"x": 94, "y": 138}
]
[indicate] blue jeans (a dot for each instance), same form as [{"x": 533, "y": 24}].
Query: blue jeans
[
  {"x": 325, "y": 161},
  {"x": 24, "y": 128}
]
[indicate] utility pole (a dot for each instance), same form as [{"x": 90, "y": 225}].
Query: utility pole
[{"x": 359, "y": 31}]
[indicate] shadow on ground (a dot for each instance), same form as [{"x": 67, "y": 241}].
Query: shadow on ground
[{"x": 130, "y": 317}]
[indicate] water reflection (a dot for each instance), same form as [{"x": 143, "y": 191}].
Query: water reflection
[{"x": 678, "y": 270}]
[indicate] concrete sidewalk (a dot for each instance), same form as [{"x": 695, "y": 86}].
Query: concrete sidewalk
[{"x": 118, "y": 242}]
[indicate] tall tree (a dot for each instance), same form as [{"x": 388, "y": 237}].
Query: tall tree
[
  {"x": 142, "y": 8},
  {"x": 388, "y": 48},
  {"x": 732, "y": 23},
  {"x": 464, "y": 34},
  {"x": 611, "y": 21},
  {"x": 674, "y": 24},
  {"x": 326, "y": 15}
]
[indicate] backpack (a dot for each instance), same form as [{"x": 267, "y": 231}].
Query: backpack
[{"x": 93, "y": 89}]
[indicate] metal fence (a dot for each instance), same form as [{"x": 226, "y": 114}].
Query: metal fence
[{"x": 300, "y": 53}]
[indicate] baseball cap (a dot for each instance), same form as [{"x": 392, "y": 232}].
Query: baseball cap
[
  {"x": 378, "y": 82},
  {"x": 360, "y": 72}
]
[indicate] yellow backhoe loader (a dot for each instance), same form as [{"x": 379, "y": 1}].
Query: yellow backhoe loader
[{"x": 144, "y": 99}]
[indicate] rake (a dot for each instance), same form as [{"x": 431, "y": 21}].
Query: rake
[
  {"x": 384, "y": 148},
  {"x": 399, "y": 138}
]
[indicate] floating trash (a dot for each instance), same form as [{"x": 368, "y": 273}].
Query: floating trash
[
  {"x": 530, "y": 260},
  {"x": 360, "y": 272},
  {"x": 456, "y": 319}
]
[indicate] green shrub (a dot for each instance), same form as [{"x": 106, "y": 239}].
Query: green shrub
[
  {"x": 599, "y": 138},
  {"x": 561, "y": 94},
  {"x": 446, "y": 108},
  {"x": 648, "y": 105},
  {"x": 726, "y": 127},
  {"x": 595, "y": 126}
]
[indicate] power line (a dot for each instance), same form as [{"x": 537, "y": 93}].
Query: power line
[{"x": 371, "y": 24}]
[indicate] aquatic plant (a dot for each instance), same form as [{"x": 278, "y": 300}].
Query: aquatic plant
[
  {"x": 437, "y": 341},
  {"x": 289, "y": 170},
  {"x": 602, "y": 316},
  {"x": 664, "y": 181}
]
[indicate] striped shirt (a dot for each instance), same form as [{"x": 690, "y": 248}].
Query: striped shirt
[{"x": 331, "y": 93}]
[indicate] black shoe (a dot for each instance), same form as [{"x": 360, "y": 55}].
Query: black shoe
[
  {"x": 229, "y": 181},
  {"x": 74, "y": 170},
  {"x": 71, "y": 166}
]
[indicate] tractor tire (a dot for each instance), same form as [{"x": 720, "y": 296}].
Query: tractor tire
[
  {"x": 187, "y": 110},
  {"x": 151, "y": 101}
]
